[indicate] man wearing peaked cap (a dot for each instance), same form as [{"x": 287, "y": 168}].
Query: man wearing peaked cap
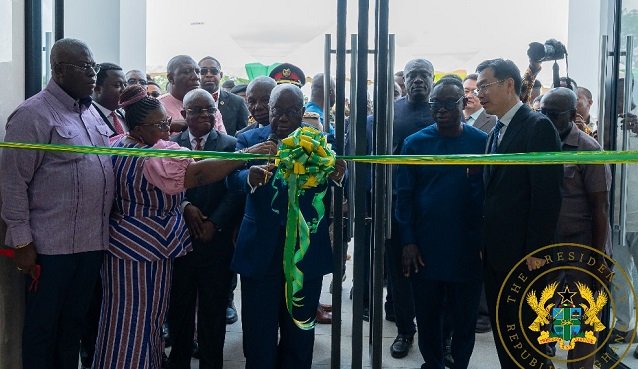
[{"x": 288, "y": 73}]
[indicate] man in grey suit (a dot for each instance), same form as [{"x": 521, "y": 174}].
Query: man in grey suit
[{"x": 474, "y": 113}]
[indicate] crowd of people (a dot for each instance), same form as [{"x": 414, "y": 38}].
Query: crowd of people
[{"x": 134, "y": 253}]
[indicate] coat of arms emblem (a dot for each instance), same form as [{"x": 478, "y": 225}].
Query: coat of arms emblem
[{"x": 565, "y": 322}]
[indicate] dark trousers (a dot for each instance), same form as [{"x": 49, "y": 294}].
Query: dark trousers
[
  {"x": 264, "y": 315},
  {"x": 483, "y": 311},
  {"x": 89, "y": 334},
  {"x": 493, "y": 280},
  {"x": 431, "y": 310},
  {"x": 55, "y": 313},
  {"x": 400, "y": 286},
  {"x": 203, "y": 281}
]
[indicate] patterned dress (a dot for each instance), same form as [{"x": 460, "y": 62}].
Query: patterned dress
[{"x": 147, "y": 232}]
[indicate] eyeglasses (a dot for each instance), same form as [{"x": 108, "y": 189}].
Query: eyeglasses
[
  {"x": 486, "y": 86},
  {"x": 162, "y": 125},
  {"x": 135, "y": 81},
  {"x": 277, "y": 113},
  {"x": 86, "y": 67},
  {"x": 553, "y": 114},
  {"x": 447, "y": 104},
  {"x": 214, "y": 71},
  {"x": 470, "y": 92},
  {"x": 198, "y": 110}
]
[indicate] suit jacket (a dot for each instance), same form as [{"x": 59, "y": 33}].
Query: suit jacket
[
  {"x": 262, "y": 232},
  {"x": 254, "y": 125},
  {"x": 485, "y": 122},
  {"x": 233, "y": 110},
  {"x": 106, "y": 120},
  {"x": 221, "y": 205},
  {"x": 522, "y": 202}
]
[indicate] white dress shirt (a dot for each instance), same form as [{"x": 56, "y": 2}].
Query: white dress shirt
[
  {"x": 107, "y": 114},
  {"x": 507, "y": 118}
]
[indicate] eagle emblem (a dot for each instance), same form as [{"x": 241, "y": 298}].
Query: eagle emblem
[{"x": 566, "y": 322}]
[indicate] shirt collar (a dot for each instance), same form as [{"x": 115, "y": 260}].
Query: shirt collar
[
  {"x": 573, "y": 137},
  {"x": 476, "y": 114},
  {"x": 507, "y": 117},
  {"x": 66, "y": 100},
  {"x": 104, "y": 110},
  {"x": 192, "y": 139}
]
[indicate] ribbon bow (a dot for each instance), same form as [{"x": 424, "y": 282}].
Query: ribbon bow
[{"x": 304, "y": 160}]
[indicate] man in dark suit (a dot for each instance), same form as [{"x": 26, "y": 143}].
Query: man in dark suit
[
  {"x": 203, "y": 276},
  {"x": 231, "y": 106},
  {"x": 260, "y": 246},
  {"x": 522, "y": 202},
  {"x": 110, "y": 83},
  {"x": 475, "y": 116},
  {"x": 474, "y": 113},
  {"x": 257, "y": 97}
]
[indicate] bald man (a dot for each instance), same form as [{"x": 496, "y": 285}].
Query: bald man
[
  {"x": 58, "y": 213},
  {"x": 584, "y": 213},
  {"x": 203, "y": 276},
  {"x": 315, "y": 105},
  {"x": 183, "y": 75},
  {"x": 257, "y": 97},
  {"x": 136, "y": 77},
  {"x": 271, "y": 338}
]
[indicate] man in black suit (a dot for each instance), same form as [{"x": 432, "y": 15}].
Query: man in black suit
[
  {"x": 475, "y": 116},
  {"x": 109, "y": 85},
  {"x": 203, "y": 276},
  {"x": 232, "y": 107},
  {"x": 522, "y": 202},
  {"x": 257, "y": 96}
]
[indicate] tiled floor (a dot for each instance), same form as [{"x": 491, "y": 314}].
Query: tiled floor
[{"x": 484, "y": 356}]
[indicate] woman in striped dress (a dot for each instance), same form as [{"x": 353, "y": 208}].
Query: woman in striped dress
[{"x": 147, "y": 232}]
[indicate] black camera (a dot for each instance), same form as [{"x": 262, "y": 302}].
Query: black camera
[{"x": 551, "y": 50}]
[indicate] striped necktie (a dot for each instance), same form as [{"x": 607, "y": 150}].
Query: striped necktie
[
  {"x": 198, "y": 146},
  {"x": 495, "y": 136}
]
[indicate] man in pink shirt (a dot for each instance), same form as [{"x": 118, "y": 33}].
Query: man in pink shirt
[{"x": 184, "y": 76}]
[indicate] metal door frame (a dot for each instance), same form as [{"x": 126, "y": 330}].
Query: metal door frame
[{"x": 382, "y": 142}]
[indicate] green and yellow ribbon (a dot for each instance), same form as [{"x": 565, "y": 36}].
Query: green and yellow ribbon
[
  {"x": 304, "y": 161},
  {"x": 538, "y": 158}
]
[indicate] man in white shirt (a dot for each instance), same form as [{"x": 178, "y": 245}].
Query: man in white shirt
[{"x": 474, "y": 112}]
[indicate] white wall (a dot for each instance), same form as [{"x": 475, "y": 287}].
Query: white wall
[
  {"x": 587, "y": 22},
  {"x": 115, "y": 30},
  {"x": 12, "y": 62},
  {"x": 133, "y": 34}
]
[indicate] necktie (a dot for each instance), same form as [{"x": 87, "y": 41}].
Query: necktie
[
  {"x": 495, "y": 136},
  {"x": 116, "y": 124},
  {"x": 216, "y": 96},
  {"x": 198, "y": 146}
]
